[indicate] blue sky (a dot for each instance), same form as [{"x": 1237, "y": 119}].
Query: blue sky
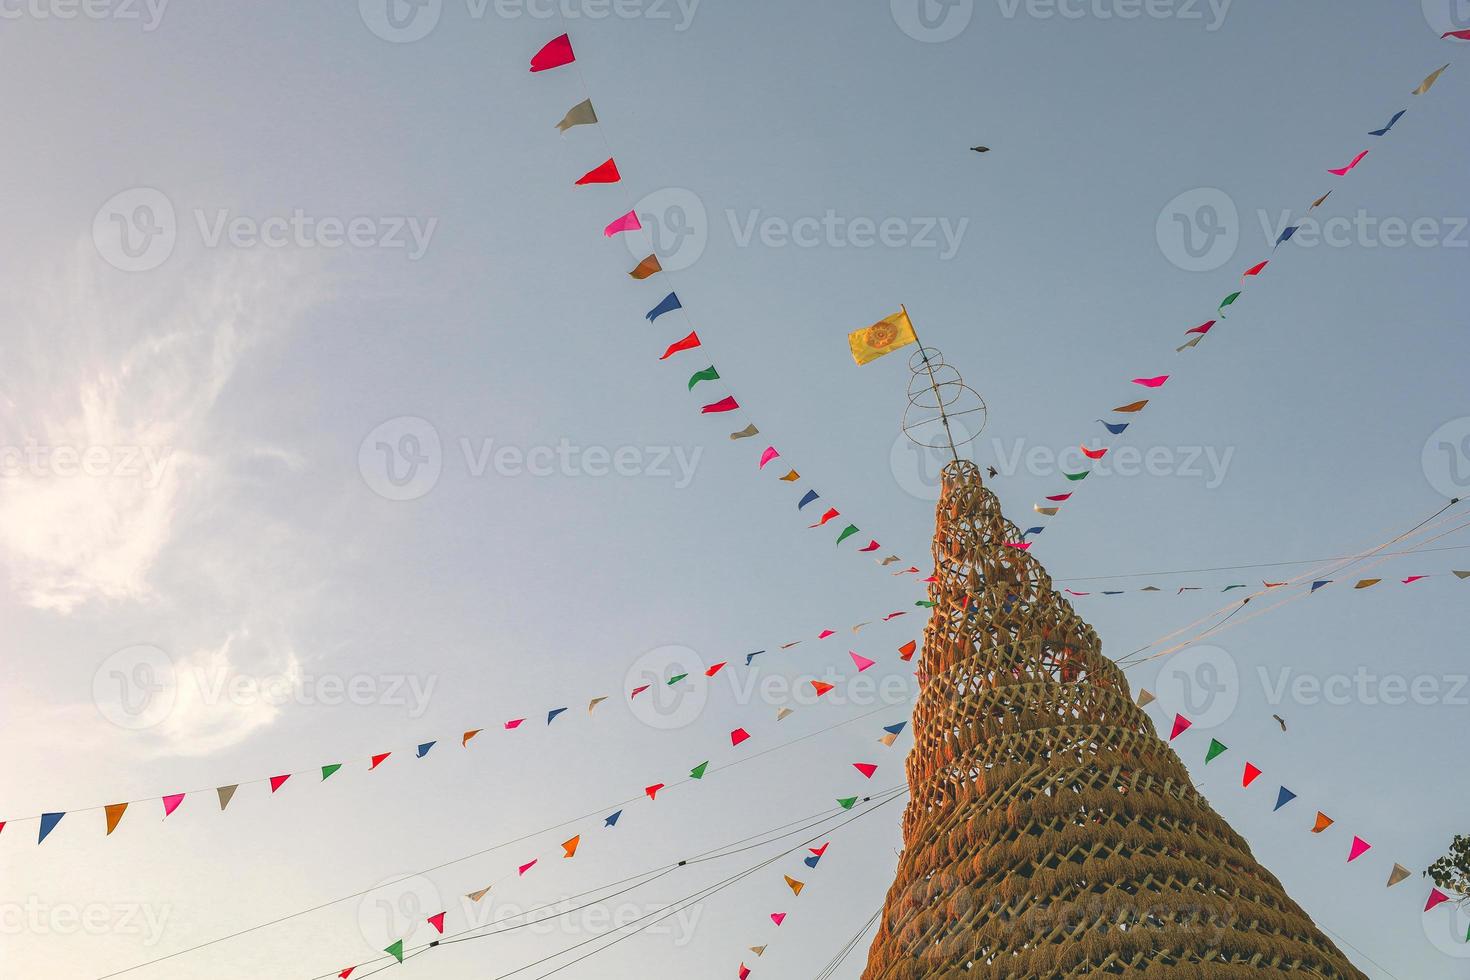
[{"x": 250, "y": 248}]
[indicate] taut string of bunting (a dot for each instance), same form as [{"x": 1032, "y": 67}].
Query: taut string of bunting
[
  {"x": 225, "y": 792},
  {"x": 1237, "y": 568},
  {"x": 1373, "y": 557},
  {"x": 559, "y": 53},
  {"x": 1123, "y": 416},
  {"x": 1285, "y": 797},
  {"x": 1359, "y": 584}
]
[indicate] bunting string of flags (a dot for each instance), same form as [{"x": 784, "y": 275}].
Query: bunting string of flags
[
  {"x": 224, "y": 794},
  {"x": 1125, "y": 415},
  {"x": 691, "y": 350},
  {"x": 1355, "y": 584},
  {"x": 1285, "y": 798}
]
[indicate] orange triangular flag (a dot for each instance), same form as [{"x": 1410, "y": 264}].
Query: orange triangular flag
[
  {"x": 791, "y": 477},
  {"x": 906, "y": 652},
  {"x": 1398, "y": 874},
  {"x": 1145, "y": 698},
  {"x": 114, "y": 814},
  {"x": 794, "y": 885},
  {"x": 465, "y": 739},
  {"x": 1132, "y": 406},
  {"x": 1323, "y": 822},
  {"x": 571, "y": 846},
  {"x": 476, "y": 896},
  {"x": 646, "y": 268},
  {"x": 594, "y": 704},
  {"x": 822, "y": 687}
]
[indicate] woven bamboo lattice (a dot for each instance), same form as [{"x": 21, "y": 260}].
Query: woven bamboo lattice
[{"x": 1050, "y": 832}]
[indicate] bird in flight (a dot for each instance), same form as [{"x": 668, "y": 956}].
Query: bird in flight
[
  {"x": 981, "y": 149},
  {"x": 992, "y": 471},
  {"x": 1280, "y": 721}
]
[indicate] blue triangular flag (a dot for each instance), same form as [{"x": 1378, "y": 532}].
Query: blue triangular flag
[
  {"x": 669, "y": 305},
  {"x": 895, "y": 729},
  {"x": 810, "y": 496},
  {"x": 1384, "y": 131},
  {"x": 612, "y": 821},
  {"x": 811, "y": 862},
  {"x": 551, "y": 715},
  {"x": 751, "y": 656},
  {"x": 1286, "y": 235},
  {"x": 424, "y": 749},
  {"x": 1283, "y": 798},
  {"x": 1116, "y": 428},
  {"x": 48, "y": 824},
  {"x": 1318, "y": 584},
  {"x": 1032, "y": 530},
  {"x": 1118, "y": 592}
]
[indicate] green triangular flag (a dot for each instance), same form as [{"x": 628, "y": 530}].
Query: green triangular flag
[
  {"x": 676, "y": 679},
  {"x": 1216, "y": 749},
  {"x": 328, "y": 770},
  {"x": 848, "y": 803},
  {"x": 708, "y": 374},
  {"x": 396, "y": 951},
  {"x": 698, "y": 771},
  {"x": 1228, "y": 300},
  {"x": 847, "y": 532},
  {"x": 925, "y": 603},
  {"x": 1074, "y": 477}
]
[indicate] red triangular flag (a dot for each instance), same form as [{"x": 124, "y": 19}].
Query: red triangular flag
[
  {"x": 726, "y": 404},
  {"x": 778, "y": 917},
  {"x": 606, "y": 173},
  {"x": 652, "y": 791},
  {"x": 906, "y": 652},
  {"x": 276, "y": 781},
  {"x": 437, "y": 921},
  {"x": 715, "y": 669},
  {"x": 866, "y": 768},
  {"x": 738, "y": 735},
  {"x": 527, "y": 867},
  {"x": 378, "y": 760},
  {"x": 1181, "y": 725},
  {"x": 557, "y": 52},
  {"x": 1251, "y": 772},
  {"x": 1436, "y": 898},
  {"x": 346, "y": 973},
  {"x": 822, "y": 687},
  {"x": 688, "y": 343}
]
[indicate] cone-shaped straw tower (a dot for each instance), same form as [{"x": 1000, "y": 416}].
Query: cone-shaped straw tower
[{"x": 1050, "y": 832}]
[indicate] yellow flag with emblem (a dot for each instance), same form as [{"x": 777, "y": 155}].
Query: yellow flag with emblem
[{"x": 888, "y": 334}]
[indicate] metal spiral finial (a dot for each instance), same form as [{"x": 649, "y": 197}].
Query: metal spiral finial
[{"x": 943, "y": 412}]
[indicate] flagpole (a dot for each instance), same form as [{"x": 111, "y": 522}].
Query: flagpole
[{"x": 934, "y": 384}]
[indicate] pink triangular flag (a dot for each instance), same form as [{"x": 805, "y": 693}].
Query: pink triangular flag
[
  {"x": 778, "y": 917},
  {"x": 437, "y": 921},
  {"x": 554, "y": 54},
  {"x": 1342, "y": 171},
  {"x": 628, "y": 222},
  {"x": 527, "y": 867},
  {"x": 866, "y": 768},
  {"x": 863, "y": 663},
  {"x": 1359, "y": 847},
  {"x": 1181, "y": 725},
  {"x": 171, "y": 803},
  {"x": 824, "y": 634},
  {"x": 516, "y": 723},
  {"x": 738, "y": 735},
  {"x": 1436, "y": 899},
  {"x": 1157, "y": 382},
  {"x": 767, "y": 456}
]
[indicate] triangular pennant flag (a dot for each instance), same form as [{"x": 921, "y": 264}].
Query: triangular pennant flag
[
  {"x": 778, "y": 917},
  {"x": 866, "y": 768},
  {"x": 668, "y": 304},
  {"x": 808, "y": 498},
  {"x": 821, "y": 687},
  {"x": 1429, "y": 81},
  {"x": 346, "y": 973},
  {"x": 226, "y": 793},
  {"x": 327, "y": 770},
  {"x": 171, "y": 803},
  {"x": 1414, "y": 578},
  {"x": 1181, "y": 725},
  {"x": 377, "y": 761},
  {"x": 1286, "y": 233},
  {"x": 1093, "y": 453},
  {"x": 556, "y": 52},
  {"x": 652, "y": 791},
  {"x": 437, "y": 921},
  {"x": 465, "y": 738},
  {"x": 811, "y": 862},
  {"x": 675, "y": 679},
  {"x": 1074, "y": 477},
  {"x": 476, "y": 896},
  {"x": 646, "y": 268},
  {"x": 712, "y": 671},
  {"x": 769, "y": 454},
  {"x": 863, "y": 663},
  {"x": 896, "y": 728},
  {"x": 278, "y": 781},
  {"x": 1319, "y": 583},
  {"x": 847, "y": 532},
  {"x": 758, "y": 950},
  {"x": 887, "y": 740},
  {"x": 1116, "y": 428},
  {"x": 1436, "y": 899},
  {"x": 524, "y": 868},
  {"x": 1157, "y": 382},
  {"x": 424, "y": 748},
  {"x": 1228, "y": 301},
  {"x": 1254, "y": 270},
  {"x": 1398, "y": 874},
  {"x": 744, "y": 973},
  {"x": 698, "y": 771},
  {"x": 794, "y": 885},
  {"x": 396, "y": 950},
  {"x": 737, "y": 736},
  {"x": 847, "y": 803},
  {"x": 581, "y": 114},
  {"x": 551, "y": 715},
  {"x": 1323, "y": 822},
  {"x": 1217, "y": 749},
  {"x": 1358, "y": 849},
  {"x": 1367, "y": 583},
  {"x": 628, "y": 222},
  {"x": 1284, "y": 797},
  {"x": 612, "y": 820},
  {"x": 1132, "y": 406},
  {"x": 48, "y": 824},
  {"x": 781, "y": 713},
  {"x": 831, "y": 513},
  {"x": 1343, "y": 171},
  {"x": 514, "y": 723},
  {"x": 751, "y": 656},
  {"x": 1462, "y": 575},
  {"x": 114, "y": 813},
  {"x": 1192, "y": 342},
  {"x": 726, "y": 404},
  {"x": 603, "y": 173},
  {"x": 906, "y": 652},
  {"x": 1145, "y": 697},
  {"x": 569, "y": 848},
  {"x": 1250, "y": 775},
  {"x": 592, "y": 705},
  {"x": 746, "y": 433},
  {"x": 1319, "y": 202},
  {"x": 792, "y": 476},
  {"x": 1384, "y": 131}
]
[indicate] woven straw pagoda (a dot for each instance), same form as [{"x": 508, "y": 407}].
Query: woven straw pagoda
[{"x": 1050, "y": 833}]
